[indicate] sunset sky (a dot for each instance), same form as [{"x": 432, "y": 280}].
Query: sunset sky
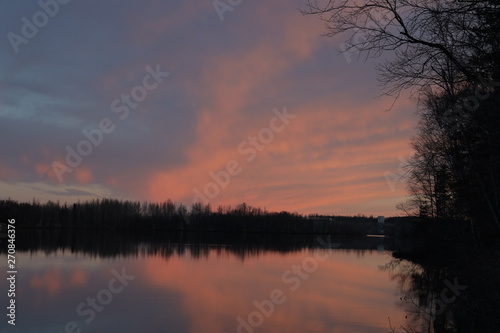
[{"x": 151, "y": 100}]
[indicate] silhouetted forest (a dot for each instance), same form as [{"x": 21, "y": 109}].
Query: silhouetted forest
[{"x": 133, "y": 215}]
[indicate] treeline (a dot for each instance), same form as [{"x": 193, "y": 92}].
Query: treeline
[
  {"x": 455, "y": 172},
  {"x": 125, "y": 214},
  {"x": 134, "y": 215}
]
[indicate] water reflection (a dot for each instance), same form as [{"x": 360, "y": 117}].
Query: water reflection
[
  {"x": 111, "y": 244},
  {"x": 448, "y": 296},
  {"x": 205, "y": 283}
]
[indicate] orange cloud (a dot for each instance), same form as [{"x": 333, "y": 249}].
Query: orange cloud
[
  {"x": 83, "y": 176},
  {"x": 230, "y": 83},
  {"x": 331, "y": 158},
  {"x": 333, "y": 139},
  {"x": 324, "y": 158}
]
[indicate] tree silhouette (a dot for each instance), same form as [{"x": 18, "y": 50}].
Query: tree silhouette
[{"x": 447, "y": 53}]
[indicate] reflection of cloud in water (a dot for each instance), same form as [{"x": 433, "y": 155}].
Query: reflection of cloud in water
[
  {"x": 53, "y": 280},
  {"x": 345, "y": 292},
  {"x": 78, "y": 277},
  {"x": 203, "y": 282}
]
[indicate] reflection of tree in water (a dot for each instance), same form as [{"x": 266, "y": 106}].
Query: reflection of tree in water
[
  {"x": 451, "y": 298},
  {"x": 197, "y": 245}
]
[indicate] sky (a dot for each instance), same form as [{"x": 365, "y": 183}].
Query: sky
[{"x": 220, "y": 102}]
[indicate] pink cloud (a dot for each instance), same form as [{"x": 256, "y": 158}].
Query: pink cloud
[
  {"x": 8, "y": 173},
  {"x": 83, "y": 175},
  {"x": 332, "y": 156}
]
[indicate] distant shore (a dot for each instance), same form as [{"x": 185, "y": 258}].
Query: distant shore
[{"x": 110, "y": 214}]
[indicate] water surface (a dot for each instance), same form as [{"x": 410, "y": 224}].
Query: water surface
[{"x": 205, "y": 286}]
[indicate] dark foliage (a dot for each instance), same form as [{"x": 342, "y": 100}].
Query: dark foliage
[{"x": 132, "y": 215}]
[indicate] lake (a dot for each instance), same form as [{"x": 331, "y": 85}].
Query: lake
[{"x": 102, "y": 282}]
